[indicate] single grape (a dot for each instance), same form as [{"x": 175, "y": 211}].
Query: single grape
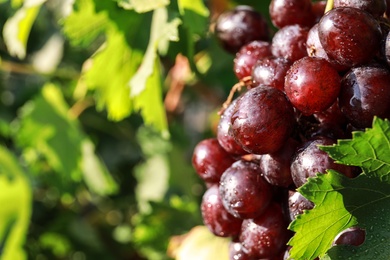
[
  {"x": 262, "y": 120},
  {"x": 290, "y": 42},
  {"x": 220, "y": 222},
  {"x": 297, "y": 204},
  {"x": 365, "y": 94},
  {"x": 224, "y": 132},
  {"x": 375, "y": 7},
  {"x": 248, "y": 55},
  {"x": 210, "y": 160},
  {"x": 276, "y": 166},
  {"x": 314, "y": 48},
  {"x": 244, "y": 192},
  {"x": 310, "y": 160},
  {"x": 239, "y": 26},
  {"x": 270, "y": 71},
  {"x": 265, "y": 236},
  {"x": 349, "y": 36},
  {"x": 312, "y": 85},
  {"x": 289, "y": 12},
  {"x": 353, "y": 236}
]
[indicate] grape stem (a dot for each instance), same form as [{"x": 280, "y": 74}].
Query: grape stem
[
  {"x": 329, "y": 5},
  {"x": 247, "y": 81}
]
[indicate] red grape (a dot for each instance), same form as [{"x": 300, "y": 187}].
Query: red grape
[
  {"x": 210, "y": 160},
  {"x": 276, "y": 166},
  {"x": 289, "y": 12},
  {"x": 224, "y": 133},
  {"x": 220, "y": 222},
  {"x": 239, "y": 26},
  {"x": 265, "y": 236},
  {"x": 262, "y": 120},
  {"x": 270, "y": 71},
  {"x": 248, "y": 55},
  {"x": 244, "y": 192},
  {"x": 349, "y": 36},
  {"x": 365, "y": 94},
  {"x": 312, "y": 85},
  {"x": 290, "y": 42},
  {"x": 353, "y": 236},
  {"x": 310, "y": 160}
]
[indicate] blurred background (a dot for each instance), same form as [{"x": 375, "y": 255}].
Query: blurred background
[{"x": 101, "y": 105}]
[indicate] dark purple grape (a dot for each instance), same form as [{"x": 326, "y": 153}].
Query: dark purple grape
[
  {"x": 375, "y": 7},
  {"x": 276, "y": 166},
  {"x": 289, "y": 12},
  {"x": 220, "y": 222},
  {"x": 312, "y": 85},
  {"x": 244, "y": 192},
  {"x": 290, "y": 42},
  {"x": 297, "y": 204},
  {"x": 239, "y": 26},
  {"x": 310, "y": 160},
  {"x": 270, "y": 71},
  {"x": 248, "y": 55},
  {"x": 263, "y": 120},
  {"x": 353, "y": 236},
  {"x": 365, "y": 94},
  {"x": 349, "y": 36},
  {"x": 332, "y": 115},
  {"x": 265, "y": 236},
  {"x": 224, "y": 132},
  {"x": 210, "y": 160}
]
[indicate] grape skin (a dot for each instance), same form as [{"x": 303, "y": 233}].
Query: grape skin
[
  {"x": 262, "y": 120},
  {"x": 244, "y": 192},
  {"x": 310, "y": 160},
  {"x": 312, "y": 85},
  {"x": 349, "y": 36},
  {"x": 265, "y": 236},
  {"x": 210, "y": 160},
  {"x": 365, "y": 94},
  {"x": 290, "y": 42},
  {"x": 239, "y": 26},
  {"x": 220, "y": 222},
  {"x": 248, "y": 55},
  {"x": 291, "y": 12},
  {"x": 224, "y": 133}
]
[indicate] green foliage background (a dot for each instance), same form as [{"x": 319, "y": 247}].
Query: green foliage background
[{"x": 92, "y": 164}]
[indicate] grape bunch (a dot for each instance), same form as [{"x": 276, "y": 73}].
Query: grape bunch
[{"x": 322, "y": 74}]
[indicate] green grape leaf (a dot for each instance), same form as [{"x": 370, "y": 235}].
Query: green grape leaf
[
  {"x": 316, "y": 228},
  {"x": 341, "y": 202},
  {"x": 59, "y": 140},
  {"x": 15, "y": 210},
  {"x": 153, "y": 115},
  {"x": 142, "y": 6},
  {"x": 111, "y": 69},
  {"x": 17, "y": 28},
  {"x": 153, "y": 174},
  {"x": 162, "y": 31},
  {"x": 84, "y": 24},
  {"x": 369, "y": 150},
  {"x": 195, "y": 15},
  {"x": 368, "y": 200}
]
